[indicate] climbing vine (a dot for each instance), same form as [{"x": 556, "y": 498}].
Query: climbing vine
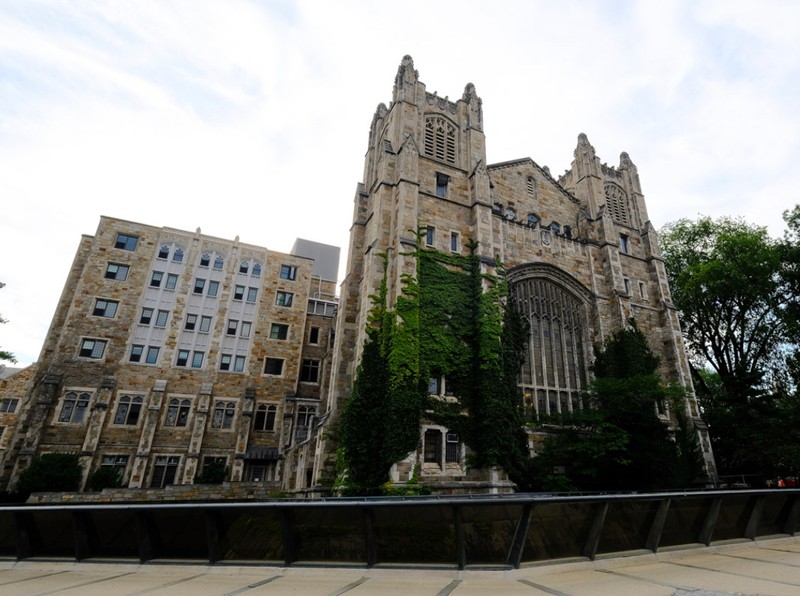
[{"x": 454, "y": 322}]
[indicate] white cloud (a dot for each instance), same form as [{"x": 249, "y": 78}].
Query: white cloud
[{"x": 250, "y": 118}]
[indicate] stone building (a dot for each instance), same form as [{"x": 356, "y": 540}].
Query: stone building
[
  {"x": 170, "y": 351},
  {"x": 581, "y": 254}
]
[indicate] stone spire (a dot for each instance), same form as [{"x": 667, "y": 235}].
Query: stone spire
[{"x": 405, "y": 82}]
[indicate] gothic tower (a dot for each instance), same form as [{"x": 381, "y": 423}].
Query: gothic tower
[{"x": 581, "y": 255}]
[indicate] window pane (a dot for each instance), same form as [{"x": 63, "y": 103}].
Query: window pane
[
  {"x": 213, "y": 288},
  {"x": 161, "y": 319},
  {"x": 172, "y": 281}
]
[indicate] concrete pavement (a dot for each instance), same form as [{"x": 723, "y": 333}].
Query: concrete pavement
[{"x": 770, "y": 567}]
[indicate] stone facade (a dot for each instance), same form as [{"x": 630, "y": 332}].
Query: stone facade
[
  {"x": 170, "y": 350},
  {"x": 580, "y": 252}
]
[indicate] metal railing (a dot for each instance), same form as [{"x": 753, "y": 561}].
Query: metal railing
[{"x": 489, "y": 530}]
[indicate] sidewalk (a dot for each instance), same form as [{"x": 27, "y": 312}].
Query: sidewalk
[{"x": 764, "y": 567}]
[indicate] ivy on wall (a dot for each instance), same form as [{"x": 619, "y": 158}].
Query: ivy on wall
[{"x": 454, "y": 322}]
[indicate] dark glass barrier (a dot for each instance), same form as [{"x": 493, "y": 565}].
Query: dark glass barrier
[
  {"x": 488, "y": 531},
  {"x": 250, "y": 535},
  {"x": 684, "y": 523},
  {"x": 449, "y": 531},
  {"x": 328, "y": 534},
  {"x": 627, "y": 525},
  {"x": 420, "y": 534},
  {"x": 733, "y": 517},
  {"x": 558, "y": 530}
]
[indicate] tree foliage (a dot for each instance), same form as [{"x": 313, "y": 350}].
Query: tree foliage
[
  {"x": 619, "y": 442},
  {"x": 738, "y": 293},
  {"x": 451, "y": 321},
  {"x": 728, "y": 281},
  {"x": 56, "y": 472}
]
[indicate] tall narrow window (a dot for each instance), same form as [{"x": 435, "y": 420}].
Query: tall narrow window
[
  {"x": 430, "y": 235},
  {"x": 624, "y": 244},
  {"x": 440, "y": 139},
  {"x": 178, "y": 412},
  {"x": 453, "y": 241},
  {"x": 554, "y": 372},
  {"x": 433, "y": 446},
  {"x": 74, "y": 407},
  {"x": 265, "y": 418},
  {"x": 442, "y": 181},
  {"x": 165, "y": 468},
  {"x": 223, "y": 416}
]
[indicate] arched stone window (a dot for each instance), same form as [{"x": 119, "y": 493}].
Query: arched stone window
[
  {"x": 554, "y": 372},
  {"x": 617, "y": 202},
  {"x": 440, "y": 139}
]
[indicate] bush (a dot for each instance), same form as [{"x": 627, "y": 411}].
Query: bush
[
  {"x": 105, "y": 477},
  {"x": 51, "y": 472}
]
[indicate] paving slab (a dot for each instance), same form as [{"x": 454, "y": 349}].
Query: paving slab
[{"x": 764, "y": 567}]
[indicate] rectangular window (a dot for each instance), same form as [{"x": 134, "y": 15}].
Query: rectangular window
[
  {"x": 223, "y": 415},
  {"x": 288, "y": 272},
  {"x": 245, "y": 330},
  {"x": 152, "y": 355},
  {"x": 284, "y": 298},
  {"x": 128, "y": 410},
  {"x": 146, "y": 316},
  {"x": 118, "y": 463},
  {"x": 454, "y": 241},
  {"x": 642, "y": 291},
  {"x": 265, "y": 418},
  {"x": 430, "y": 235},
  {"x": 627, "y": 286},
  {"x": 92, "y": 348},
  {"x": 433, "y": 447},
  {"x": 105, "y": 308},
  {"x": 279, "y": 331},
  {"x": 273, "y": 366},
  {"x": 117, "y": 272},
  {"x": 238, "y": 364},
  {"x": 9, "y": 405},
  {"x": 199, "y": 285},
  {"x": 452, "y": 449},
  {"x": 233, "y": 325},
  {"x": 205, "y": 324},
  {"x": 136, "y": 353},
  {"x": 183, "y": 358},
  {"x": 213, "y": 288},
  {"x": 309, "y": 371},
  {"x": 238, "y": 292},
  {"x": 74, "y": 407},
  {"x": 191, "y": 321},
  {"x": 178, "y": 412},
  {"x": 161, "y": 319},
  {"x": 126, "y": 242},
  {"x": 172, "y": 281},
  {"x": 441, "y": 184},
  {"x": 225, "y": 362},
  {"x": 252, "y": 294},
  {"x": 313, "y": 335},
  {"x": 155, "y": 279},
  {"x": 165, "y": 468},
  {"x": 197, "y": 359},
  {"x": 624, "y": 245}
]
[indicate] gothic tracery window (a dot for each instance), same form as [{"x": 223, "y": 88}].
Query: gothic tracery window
[
  {"x": 440, "y": 139},
  {"x": 554, "y": 371},
  {"x": 617, "y": 203}
]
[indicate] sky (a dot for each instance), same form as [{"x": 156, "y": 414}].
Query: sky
[{"x": 251, "y": 117}]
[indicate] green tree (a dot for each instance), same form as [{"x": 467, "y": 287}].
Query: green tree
[
  {"x": 619, "y": 442},
  {"x": 380, "y": 420},
  {"x": 104, "y": 477},
  {"x": 738, "y": 293},
  {"x": 57, "y": 472},
  {"x": 4, "y": 354}
]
